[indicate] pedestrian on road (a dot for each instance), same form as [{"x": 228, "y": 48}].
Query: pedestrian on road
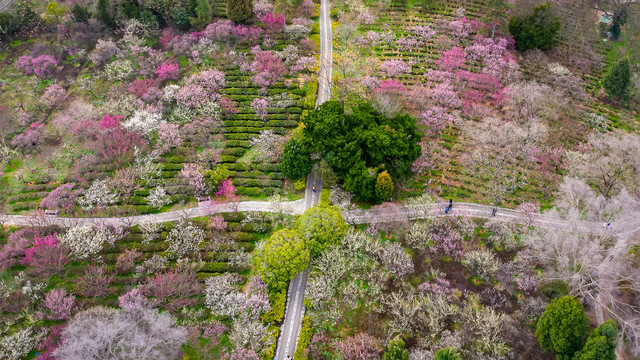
[
  {"x": 450, "y": 203},
  {"x": 446, "y": 210},
  {"x": 314, "y": 188},
  {"x": 493, "y": 213}
]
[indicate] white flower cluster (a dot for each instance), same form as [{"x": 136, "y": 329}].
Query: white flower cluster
[
  {"x": 97, "y": 195},
  {"x": 185, "y": 238}
]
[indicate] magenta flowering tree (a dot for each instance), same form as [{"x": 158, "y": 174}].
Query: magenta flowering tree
[
  {"x": 167, "y": 71},
  {"x": 250, "y": 34},
  {"x": 41, "y": 66},
  {"x": 267, "y": 69},
  {"x": 227, "y": 190},
  {"x": 228, "y": 107},
  {"x": 110, "y": 122},
  {"x": 391, "y": 86},
  {"x": 116, "y": 143},
  {"x": 452, "y": 59},
  {"x": 50, "y": 343},
  {"x": 273, "y": 23},
  {"x": 220, "y": 30},
  {"x": 63, "y": 197},
  {"x": 463, "y": 27},
  {"x": 260, "y": 106},
  {"x": 46, "y": 256},
  {"x": 58, "y": 305},
  {"x": 140, "y": 86},
  {"x": 394, "y": 68}
]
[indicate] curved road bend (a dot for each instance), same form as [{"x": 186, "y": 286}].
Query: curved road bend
[{"x": 294, "y": 312}]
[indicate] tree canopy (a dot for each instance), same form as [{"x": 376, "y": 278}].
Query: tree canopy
[
  {"x": 562, "y": 327},
  {"x": 362, "y": 143},
  {"x": 321, "y": 226},
  {"x": 538, "y": 30},
  {"x": 283, "y": 256}
]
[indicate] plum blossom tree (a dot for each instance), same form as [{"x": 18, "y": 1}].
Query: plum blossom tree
[
  {"x": 158, "y": 197},
  {"x": 94, "y": 282},
  {"x": 167, "y": 71},
  {"x": 168, "y": 138},
  {"x": 184, "y": 238},
  {"x": 46, "y": 256},
  {"x": 394, "y": 68},
  {"x": 98, "y": 195},
  {"x": 260, "y": 106},
  {"x": 58, "y": 305},
  {"x": 31, "y": 139},
  {"x": 63, "y": 197},
  {"x": 222, "y": 295},
  {"x": 361, "y": 346},
  {"x": 53, "y": 95},
  {"x": 268, "y": 146},
  {"x": 194, "y": 174},
  {"x": 103, "y": 52},
  {"x": 452, "y": 59},
  {"x": 267, "y": 68},
  {"x": 137, "y": 333},
  {"x": 41, "y": 66},
  {"x": 144, "y": 122},
  {"x": 172, "y": 289}
]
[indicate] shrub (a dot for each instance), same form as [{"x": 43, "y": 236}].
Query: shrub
[
  {"x": 180, "y": 17},
  {"x": 562, "y": 327},
  {"x": 296, "y": 160},
  {"x": 304, "y": 339},
  {"x": 384, "y": 186},
  {"x": 203, "y": 12},
  {"x": 535, "y": 31},
  {"x": 447, "y": 353},
  {"x": 396, "y": 350}
]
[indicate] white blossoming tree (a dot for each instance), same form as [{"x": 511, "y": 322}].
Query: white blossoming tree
[{"x": 98, "y": 195}]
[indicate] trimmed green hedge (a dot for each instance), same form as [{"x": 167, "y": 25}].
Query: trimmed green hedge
[{"x": 306, "y": 332}]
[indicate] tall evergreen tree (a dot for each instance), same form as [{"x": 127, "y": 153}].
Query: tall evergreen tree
[
  {"x": 239, "y": 10},
  {"x": 617, "y": 79}
]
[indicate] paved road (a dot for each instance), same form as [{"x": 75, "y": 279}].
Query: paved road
[{"x": 294, "y": 313}]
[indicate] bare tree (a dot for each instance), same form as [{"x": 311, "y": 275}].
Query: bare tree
[
  {"x": 608, "y": 161},
  {"x": 610, "y": 7},
  {"x": 593, "y": 260}
]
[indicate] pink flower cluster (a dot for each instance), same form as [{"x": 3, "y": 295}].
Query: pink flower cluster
[
  {"x": 42, "y": 66},
  {"x": 167, "y": 71}
]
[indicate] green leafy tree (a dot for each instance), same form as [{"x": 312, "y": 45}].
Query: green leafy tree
[
  {"x": 80, "y": 13},
  {"x": 296, "y": 160},
  {"x": 8, "y": 23},
  {"x": 359, "y": 144},
  {"x": 396, "y": 350},
  {"x": 213, "y": 178},
  {"x": 562, "y": 327},
  {"x": 131, "y": 9},
  {"x": 239, "y": 10},
  {"x": 447, "y": 353},
  {"x": 601, "y": 344},
  {"x": 326, "y": 173},
  {"x": 384, "y": 186},
  {"x": 617, "y": 79},
  {"x": 535, "y": 31},
  {"x": 104, "y": 14},
  {"x": 203, "y": 13},
  {"x": 321, "y": 226},
  {"x": 283, "y": 256},
  {"x": 180, "y": 17}
]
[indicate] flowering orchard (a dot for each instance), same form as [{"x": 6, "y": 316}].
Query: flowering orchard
[{"x": 144, "y": 118}]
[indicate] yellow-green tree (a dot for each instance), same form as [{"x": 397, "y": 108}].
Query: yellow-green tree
[
  {"x": 384, "y": 186},
  {"x": 321, "y": 226},
  {"x": 283, "y": 256}
]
